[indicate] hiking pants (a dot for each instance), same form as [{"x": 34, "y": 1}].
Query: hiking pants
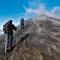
[{"x": 9, "y": 42}]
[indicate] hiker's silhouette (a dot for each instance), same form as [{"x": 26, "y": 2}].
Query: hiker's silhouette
[
  {"x": 22, "y": 23},
  {"x": 8, "y": 31}
]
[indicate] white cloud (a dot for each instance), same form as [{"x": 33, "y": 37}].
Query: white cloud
[
  {"x": 55, "y": 8},
  {"x": 56, "y": 11},
  {"x": 41, "y": 9}
]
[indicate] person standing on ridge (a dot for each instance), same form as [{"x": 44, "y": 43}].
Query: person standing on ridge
[
  {"x": 22, "y": 23},
  {"x": 8, "y": 31}
]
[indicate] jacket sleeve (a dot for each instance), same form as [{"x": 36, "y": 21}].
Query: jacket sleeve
[{"x": 14, "y": 27}]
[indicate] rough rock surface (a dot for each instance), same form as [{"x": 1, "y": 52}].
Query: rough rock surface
[{"x": 43, "y": 42}]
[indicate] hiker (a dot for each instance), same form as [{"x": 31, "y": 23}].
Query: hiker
[
  {"x": 8, "y": 31},
  {"x": 22, "y": 23}
]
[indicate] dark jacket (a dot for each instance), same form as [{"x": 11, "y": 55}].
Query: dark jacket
[
  {"x": 11, "y": 27},
  {"x": 8, "y": 28},
  {"x": 22, "y": 21}
]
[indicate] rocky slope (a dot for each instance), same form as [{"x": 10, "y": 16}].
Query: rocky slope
[{"x": 42, "y": 42}]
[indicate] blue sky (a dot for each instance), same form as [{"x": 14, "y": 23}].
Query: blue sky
[{"x": 16, "y": 9}]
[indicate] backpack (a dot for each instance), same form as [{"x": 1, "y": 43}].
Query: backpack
[{"x": 5, "y": 27}]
